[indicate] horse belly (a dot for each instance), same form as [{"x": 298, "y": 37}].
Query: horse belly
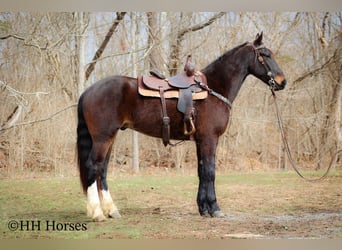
[{"x": 147, "y": 118}]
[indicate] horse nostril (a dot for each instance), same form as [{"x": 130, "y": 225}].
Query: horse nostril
[
  {"x": 283, "y": 83},
  {"x": 280, "y": 79}
]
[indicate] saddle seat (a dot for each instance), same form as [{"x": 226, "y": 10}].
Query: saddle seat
[
  {"x": 183, "y": 86},
  {"x": 181, "y": 81}
]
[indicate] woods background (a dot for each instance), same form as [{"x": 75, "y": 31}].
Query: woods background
[{"x": 48, "y": 59}]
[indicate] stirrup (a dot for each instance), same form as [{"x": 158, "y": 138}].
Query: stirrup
[{"x": 192, "y": 128}]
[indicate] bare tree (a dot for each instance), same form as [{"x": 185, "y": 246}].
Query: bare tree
[
  {"x": 119, "y": 17},
  {"x": 135, "y": 140},
  {"x": 155, "y": 59},
  {"x": 81, "y": 23},
  {"x": 174, "y": 60}
]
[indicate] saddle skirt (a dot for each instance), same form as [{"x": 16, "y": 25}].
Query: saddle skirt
[{"x": 150, "y": 86}]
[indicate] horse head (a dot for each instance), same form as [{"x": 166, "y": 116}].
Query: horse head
[{"x": 264, "y": 66}]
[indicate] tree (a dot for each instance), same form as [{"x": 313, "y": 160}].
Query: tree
[
  {"x": 81, "y": 23},
  {"x": 153, "y": 43},
  {"x": 174, "y": 60},
  {"x": 90, "y": 68}
]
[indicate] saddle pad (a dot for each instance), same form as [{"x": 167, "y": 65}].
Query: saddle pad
[{"x": 169, "y": 92}]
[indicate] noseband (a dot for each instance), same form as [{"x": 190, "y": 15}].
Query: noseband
[{"x": 271, "y": 81}]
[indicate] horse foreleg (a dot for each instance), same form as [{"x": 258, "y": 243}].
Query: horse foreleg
[
  {"x": 108, "y": 206},
  {"x": 206, "y": 196}
]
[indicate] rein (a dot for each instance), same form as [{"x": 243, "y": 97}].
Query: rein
[
  {"x": 272, "y": 85},
  {"x": 212, "y": 92},
  {"x": 285, "y": 142}
]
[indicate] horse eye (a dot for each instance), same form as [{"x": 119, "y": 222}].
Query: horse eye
[{"x": 265, "y": 53}]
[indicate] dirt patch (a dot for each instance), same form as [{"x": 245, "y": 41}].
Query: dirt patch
[
  {"x": 244, "y": 226},
  {"x": 317, "y": 225}
]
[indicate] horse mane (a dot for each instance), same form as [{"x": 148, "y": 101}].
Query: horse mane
[{"x": 223, "y": 57}]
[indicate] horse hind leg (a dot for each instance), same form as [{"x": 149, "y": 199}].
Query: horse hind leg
[
  {"x": 96, "y": 170},
  {"x": 93, "y": 203},
  {"x": 108, "y": 206}
]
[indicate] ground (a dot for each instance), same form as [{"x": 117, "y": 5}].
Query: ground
[{"x": 163, "y": 206}]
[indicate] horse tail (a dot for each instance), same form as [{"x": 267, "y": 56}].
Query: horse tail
[{"x": 84, "y": 145}]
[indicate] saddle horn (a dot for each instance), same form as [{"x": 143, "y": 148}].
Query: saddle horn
[{"x": 189, "y": 67}]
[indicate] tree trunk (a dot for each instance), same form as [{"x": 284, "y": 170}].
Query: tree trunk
[
  {"x": 80, "y": 50},
  {"x": 135, "y": 141},
  {"x": 154, "y": 58}
]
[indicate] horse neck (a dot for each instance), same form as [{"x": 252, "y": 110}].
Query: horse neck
[{"x": 227, "y": 73}]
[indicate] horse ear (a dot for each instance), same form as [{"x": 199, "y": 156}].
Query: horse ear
[{"x": 258, "y": 39}]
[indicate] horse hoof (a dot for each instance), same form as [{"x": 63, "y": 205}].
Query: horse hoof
[
  {"x": 217, "y": 214},
  {"x": 205, "y": 214},
  {"x": 115, "y": 215},
  {"x": 99, "y": 218}
]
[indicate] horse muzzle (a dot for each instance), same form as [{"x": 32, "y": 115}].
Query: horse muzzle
[{"x": 279, "y": 82}]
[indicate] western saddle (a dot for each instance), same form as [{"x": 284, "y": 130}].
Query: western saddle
[{"x": 185, "y": 86}]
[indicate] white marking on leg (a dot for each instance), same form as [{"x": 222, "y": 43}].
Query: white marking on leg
[
  {"x": 108, "y": 205},
  {"x": 93, "y": 203}
]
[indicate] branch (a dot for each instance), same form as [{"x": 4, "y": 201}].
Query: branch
[
  {"x": 175, "y": 48},
  {"x": 13, "y": 36},
  {"x": 16, "y": 92},
  {"x": 13, "y": 117},
  {"x": 199, "y": 26},
  {"x": 317, "y": 70},
  {"x": 322, "y": 37},
  {"x": 119, "y": 17},
  {"x": 117, "y": 54},
  {"x": 19, "y": 96},
  {"x": 39, "y": 120},
  {"x": 23, "y": 102},
  {"x": 25, "y": 42}
]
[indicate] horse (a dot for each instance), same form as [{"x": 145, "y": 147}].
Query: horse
[{"x": 114, "y": 104}]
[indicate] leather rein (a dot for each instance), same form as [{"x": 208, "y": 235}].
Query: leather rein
[
  {"x": 287, "y": 148},
  {"x": 272, "y": 85}
]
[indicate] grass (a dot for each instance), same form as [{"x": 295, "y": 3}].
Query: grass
[{"x": 161, "y": 206}]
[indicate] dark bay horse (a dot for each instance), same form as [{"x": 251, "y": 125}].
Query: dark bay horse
[{"x": 113, "y": 103}]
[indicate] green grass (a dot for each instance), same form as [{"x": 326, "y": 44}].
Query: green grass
[
  {"x": 61, "y": 200},
  {"x": 152, "y": 206}
]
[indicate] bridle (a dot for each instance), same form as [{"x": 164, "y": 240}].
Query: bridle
[
  {"x": 271, "y": 81},
  {"x": 272, "y": 85}
]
